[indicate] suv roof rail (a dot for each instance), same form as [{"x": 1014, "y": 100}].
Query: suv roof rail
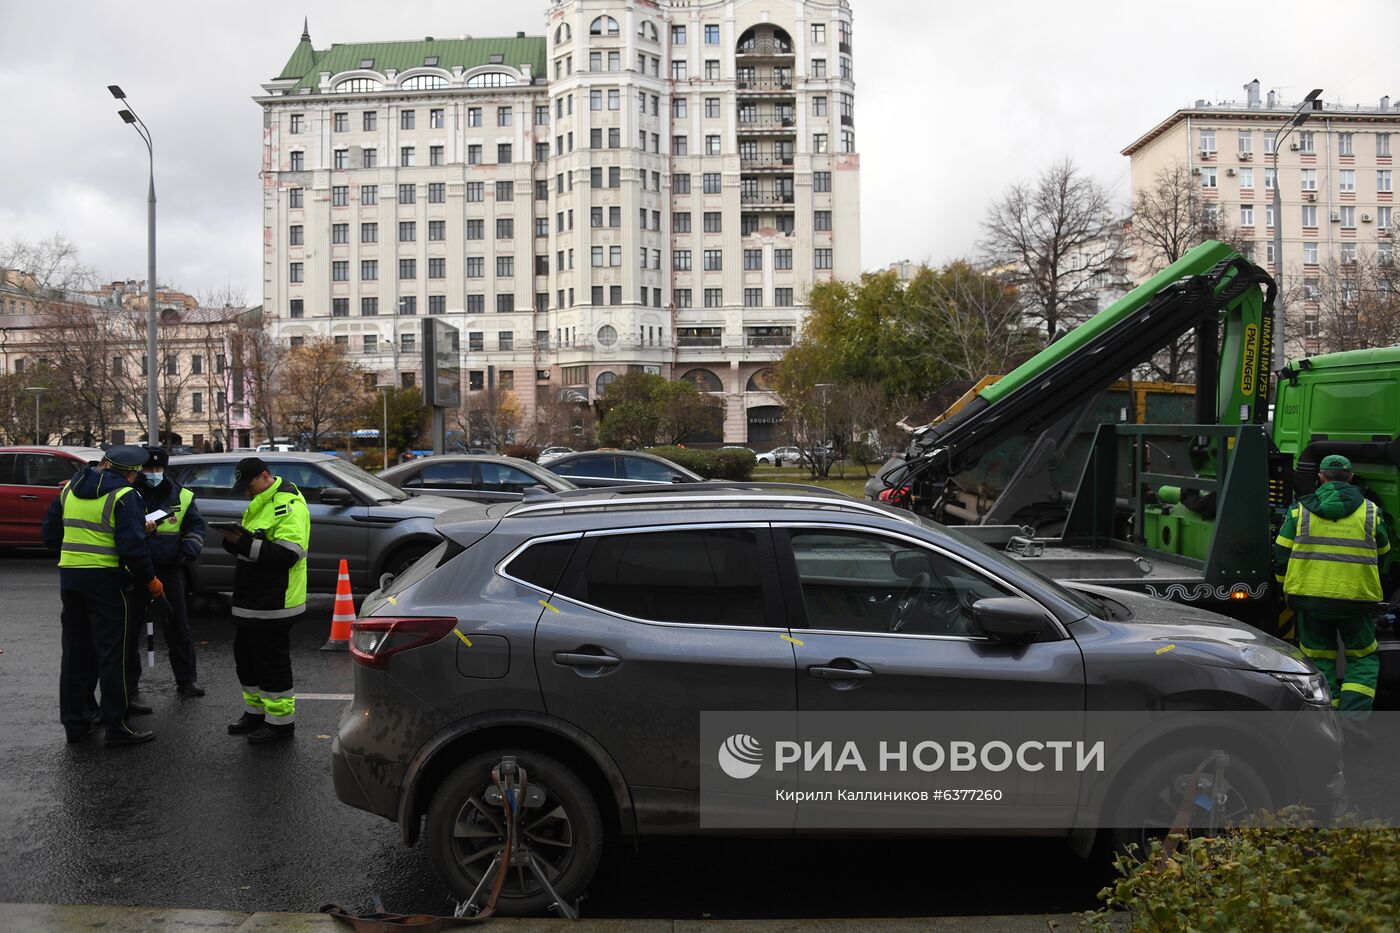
[
  {"x": 642, "y": 496},
  {"x": 538, "y": 494}
]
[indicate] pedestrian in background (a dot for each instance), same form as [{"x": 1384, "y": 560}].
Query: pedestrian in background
[
  {"x": 97, "y": 524},
  {"x": 1328, "y": 556},
  {"x": 269, "y": 597},
  {"x": 175, "y": 540}
]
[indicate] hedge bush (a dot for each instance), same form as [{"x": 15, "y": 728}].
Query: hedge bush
[
  {"x": 1286, "y": 877},
  {"x": 711, "y": 464},
  {"x": 522, "y": 451}
]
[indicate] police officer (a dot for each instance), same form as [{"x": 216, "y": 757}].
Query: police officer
[
  {"x": 1328, "y": 557},
  {"x": 269, "y": 597},
  {"x": 97, "y": 524},
  {"x": 174, "y": 540}
]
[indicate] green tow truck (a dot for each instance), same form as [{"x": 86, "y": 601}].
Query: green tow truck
[{"x": 1187, "y": 512}]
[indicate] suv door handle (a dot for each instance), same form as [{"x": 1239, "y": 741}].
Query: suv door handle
[
  {"x": 585, "y": 659},
  {"x": 28, "y": 497},
  {"x": 841, "y": 669}
]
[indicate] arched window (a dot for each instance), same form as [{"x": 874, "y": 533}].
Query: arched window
[
  {"x": 607, "y": 335},
  {"x": 423, "y": 83},
  {"x": 648, "y": 31},
  {"x": 357, "y": 86},
  {"x": 491, "y": 79},
  {"x": 704, "y": 380},
  {"x": 605, "y": 380},
  {"x": 603, "y": 25},
  {"x": 762, "y": 381},
  {"x": 563, "y": 33}
]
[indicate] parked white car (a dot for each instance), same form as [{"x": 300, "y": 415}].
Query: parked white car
[{"x": 781, "y": 455}]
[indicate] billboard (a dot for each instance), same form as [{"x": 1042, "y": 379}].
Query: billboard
[{"x": 442, "y": 364}]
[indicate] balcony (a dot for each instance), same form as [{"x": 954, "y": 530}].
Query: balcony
[
  {"x": 713, "y": 340},
  {"x": 768, "y": 123},
  {"x": 767, "y": 197},
  {"x": 782, "y": 341},
  {"x": 765, "y": 48},
  {"x": 760, "y": 161},
  {"x": 765, "y": 85}
]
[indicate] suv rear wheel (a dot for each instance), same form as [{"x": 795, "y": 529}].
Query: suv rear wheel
[{"x": 561, "y": 826}]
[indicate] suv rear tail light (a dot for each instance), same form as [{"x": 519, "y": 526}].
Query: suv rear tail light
[{"x": 375, "y": 640}]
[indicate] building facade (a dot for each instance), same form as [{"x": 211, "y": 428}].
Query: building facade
[
  {"x": 648, "y": 186},
  {"x": 1336, "y": 185}
]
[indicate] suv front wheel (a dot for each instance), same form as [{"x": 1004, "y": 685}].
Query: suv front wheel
[{"x": 560, "y": 826}]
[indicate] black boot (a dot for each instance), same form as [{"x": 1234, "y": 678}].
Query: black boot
[
  {"x": 78, "y": 732},
  {"x": 191, "y": 689},
  {"x": 272, "y": 732},
  {"x": 128, "y": 736},
  {"x": 250, "y": 722}
]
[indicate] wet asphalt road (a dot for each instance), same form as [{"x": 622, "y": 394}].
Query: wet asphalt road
[{"x": 200, "y": 819}]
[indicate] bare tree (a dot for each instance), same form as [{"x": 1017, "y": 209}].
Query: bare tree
[
  {"x": 49, "y": 265},
  {"x": 1054, "y": 239},
  {"x": 320, "y": 389},
  {"x": 488, "y": 418},
  {"x": 1351, "y": 304},
  {"x": 971, "y": 322}
]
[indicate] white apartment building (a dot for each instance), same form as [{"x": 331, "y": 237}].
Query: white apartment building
[
  {"x": 1336, "y": 181},
  {"x": 649, "y": 185}
]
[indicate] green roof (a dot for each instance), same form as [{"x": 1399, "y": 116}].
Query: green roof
[{"x": 307, "y": 63}]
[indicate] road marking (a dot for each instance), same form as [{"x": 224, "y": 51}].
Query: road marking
[
  {"x": 465, "y": 640},
  {"x": 326, "y": 696}
]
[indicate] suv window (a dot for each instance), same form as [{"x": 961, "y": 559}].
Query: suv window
[
  {"x": 209, "y": 480},
  {"x": 541, "y": 564},
  {"x": 444, "y": 475},
  {"x": 309, "y": 480},
  {"x": 46, "y": 469},
  {"x": 498, "y": 477},
  {"x": 7, "y": 469},
  {"x": 701, "y": 576},
  {"x": 868, "y": 583},
  {"x": 603, "y": 466},
  {"x": 641, "y": 468}
]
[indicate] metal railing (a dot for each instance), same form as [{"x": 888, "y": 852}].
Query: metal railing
[
  {"x": 767, "y": 197},
  {"x": 765, "y": 84},
  {"x": 765, "y": 47}
]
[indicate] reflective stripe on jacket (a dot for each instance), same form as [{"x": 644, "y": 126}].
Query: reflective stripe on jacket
[
  {"x": 89, "y": 530},
  {"x": 1334, "y": 558},
  {"x": 269, "y": 577}
]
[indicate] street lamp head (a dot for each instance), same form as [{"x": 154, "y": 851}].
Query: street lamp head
[
  {"x": 117, "y": 92},
  {"x": 127, "y": 116},
  {"x": 1313, "y": 95},
  {"x": 39, "y": 389},
  {"x": 1301, "y": 118}
]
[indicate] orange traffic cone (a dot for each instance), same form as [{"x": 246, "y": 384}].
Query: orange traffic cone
[{"x": 344, "y": 612}]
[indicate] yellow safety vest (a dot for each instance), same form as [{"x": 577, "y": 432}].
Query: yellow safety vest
[
  {"x": 89, "y": 532},
  {"x": 1335, "y": 558},
  {"x": 171, "y": 524}
]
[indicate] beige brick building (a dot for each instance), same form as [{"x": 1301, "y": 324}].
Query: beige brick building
[
  {"x": 648, "y": 185},
  {"x": 1337, "y": 183}
]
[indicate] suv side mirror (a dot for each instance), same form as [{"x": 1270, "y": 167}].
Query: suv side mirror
[
  {"x": 1009, "y": 618},
  {"x": 334, "y": 495}
]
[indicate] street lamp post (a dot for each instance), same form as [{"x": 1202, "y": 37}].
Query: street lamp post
[
  {"x": 129, "y": 116},
  {"x": 1298, "y": 118},
  {"x": 384, "y": 435},
  {"x": 38, "y": 391}
]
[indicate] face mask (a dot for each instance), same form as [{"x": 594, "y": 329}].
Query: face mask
[{"x": 154, "y": 479}]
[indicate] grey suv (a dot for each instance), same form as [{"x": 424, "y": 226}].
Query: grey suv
[
  {"x": 374, "y": 527},
  {"x": 582, "y": 635}
]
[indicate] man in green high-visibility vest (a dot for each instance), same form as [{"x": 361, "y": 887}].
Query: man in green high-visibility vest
[
  {"x": 98, "y": 526},
  {"x": 1328, "y": 557}
]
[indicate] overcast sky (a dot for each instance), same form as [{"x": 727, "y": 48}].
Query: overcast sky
[{"x": 953, "y": 101}]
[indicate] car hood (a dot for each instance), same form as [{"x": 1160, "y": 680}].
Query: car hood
[
  {"x": 417, "y": 507},
  {"x": 1197, "y": 635}
]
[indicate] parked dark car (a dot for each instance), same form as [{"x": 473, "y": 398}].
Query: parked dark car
[
  {"x": 30, "y": 479},
  {"x": 583, "y": 637},
  {"x": 375, "y": 527},
  {"x": 599, "y": 468},
  {"x": 475, "y": 477}
]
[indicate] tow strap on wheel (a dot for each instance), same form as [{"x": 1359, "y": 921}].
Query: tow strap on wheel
[{"x": 379, "y": 921}]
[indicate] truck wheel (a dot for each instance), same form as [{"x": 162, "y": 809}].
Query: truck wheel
[
  {"x": 1147, "y": 804},
  {"x": 562, "y": 828}
]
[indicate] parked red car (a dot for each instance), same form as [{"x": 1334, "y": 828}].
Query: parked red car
[{"x": 30, "y": 479}]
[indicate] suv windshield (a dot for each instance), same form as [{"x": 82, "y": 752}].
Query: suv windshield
[{"x": 359, "y": 481}]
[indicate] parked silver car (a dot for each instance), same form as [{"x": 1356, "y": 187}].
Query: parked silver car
[
  {"x": 479, "y": 478},
  {"x": 376, "y": 528}
]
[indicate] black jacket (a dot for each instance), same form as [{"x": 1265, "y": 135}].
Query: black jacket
[{"x": 129, "y": 518}]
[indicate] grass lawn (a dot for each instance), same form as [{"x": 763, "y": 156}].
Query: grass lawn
[{"x": 852, "y": 482}]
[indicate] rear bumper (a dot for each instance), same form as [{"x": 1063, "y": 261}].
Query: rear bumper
[{"x": 366, "y": 783}]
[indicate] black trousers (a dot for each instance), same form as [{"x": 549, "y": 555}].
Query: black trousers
[
  {"x": 262, "y": 655},
  {"x": 96, "y": 628},
  {"x": 173, "y": 623}
]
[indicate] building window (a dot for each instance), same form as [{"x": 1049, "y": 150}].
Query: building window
[
  {"x": 1309, "y": 253},
  {"x": 408, "y": 231},
  {"x": 1348, "y": 213},
  {"x": 505, "y": 266},
  {"x": 1346, "y": 180},
  {"x": 474, "y": 154},
  {"x": 298, "y": 123},
  {"x": 369, "y": 195},
  {"x": 1246, "y": 215},
  {"x": 753, "y": 260},
  {"x": 680, "y": 145},
  {"x": 437, "y": 304},
  {"x": 821, "y": 259},
  {"x": 406, "y": 119},
  {"x": 503, "y": 153},
  {"x": 819, "y": 68},
  {"x": 369, "y": 270},
  {"x": 714, "y": 260},
  {"x": 1382, "y": 144},
  {"x": 821, "y": 220},
  {"x": 437, "y": 268},
  {"x": 714, "y": 297},
  {"x": 476, "y": 229},
  {"x": 437, "y": 230},
  {"x": 370, "y": 343},
  {"x": 713, "y": 221},
  {"x": 342, "y": 158},
  {"x": 408, "y": 268},
  {"x": 678, "y": 69},
  {"x": 340, "y": 233},
  {"x": 1383, "y": 216},
  {"x": 782, "y": 259},
  {"x": 340, "y": 196},
  {"x": 295, "y": 308},
  {"x": 1269, "y": 176},
  {"x": 340, "y": 271},
  {"x": 680, "y": 260},
  {"x": 476, "y": 304},
  {"x": 819, "y": 143},
  {"x": 476, "y": 191},
  {"x": 294, "y": 235},
  {"x": 294, "y": 272},
  {"x": 1344, "y": 144},
  {"x": 476, "y": 267},
  {"x": 753, "y": 297},
  {"x": 782, "y": 298},
  {"x": 369, "y": 307},
  {"x": 298, "y": 161},
  {"x": 1209, "y": 177},
  {"x": 294, "y": 198},
  {"x": 505, "y": 303},
  {"x": 505, "y": 228},
  {"x": 1309, "y": 215},
  {"x": 711, "y": 69},
  {"x": 821, "y": 182},
  {"x": 1307, "y": 142},
  {"x": 408, "y": 194},
  {"x": 1246, "y": 179},
  {"x": 408, "y": 304},
  {"x": 712, "y": 145},
  {"x": 505, "y": 191},
  {"x": 340, "y": 307},
  {"x": 368, "y": 121},
  {"x": 1383, "y": 180},
  {"x": 712, "y": 183}
]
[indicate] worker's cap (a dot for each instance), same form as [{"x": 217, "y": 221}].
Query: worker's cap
[
  {"x": 127, "y": 458},
  {"x": 159, "y": 459},
  {"x": 244, "y": 473},
  {"x": 1335, "y": 462}
]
